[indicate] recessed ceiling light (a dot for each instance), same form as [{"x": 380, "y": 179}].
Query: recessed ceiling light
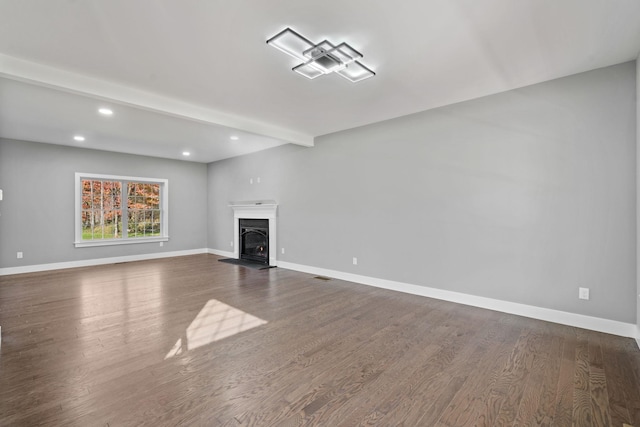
[
  {"x": 186, "y": 153},
  {"x": 105, "y": 111},
  {"x": 234, "y": 138},
  {"x": 79, "y": 138}
]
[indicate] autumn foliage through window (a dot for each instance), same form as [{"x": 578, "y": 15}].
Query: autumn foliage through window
[{"x": 104, "y": 213}]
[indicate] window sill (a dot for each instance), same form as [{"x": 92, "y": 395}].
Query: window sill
[{"x": 115, "y": 242}]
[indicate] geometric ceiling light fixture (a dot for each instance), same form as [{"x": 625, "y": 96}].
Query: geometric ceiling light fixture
[{"x": 322, "y": 58}]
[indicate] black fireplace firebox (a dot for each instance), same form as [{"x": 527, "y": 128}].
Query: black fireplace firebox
[{"x": 254, "y": 240}]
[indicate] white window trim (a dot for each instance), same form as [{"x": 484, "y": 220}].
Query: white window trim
[{"x": 164, "y": 210}]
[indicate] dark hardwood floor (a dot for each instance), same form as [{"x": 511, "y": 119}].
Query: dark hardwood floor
[{"x": 192, "y": 341}]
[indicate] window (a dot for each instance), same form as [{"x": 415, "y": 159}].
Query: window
[{"x": 113, "y": 210}]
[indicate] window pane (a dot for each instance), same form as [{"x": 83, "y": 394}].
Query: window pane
[
  {"x": 96, "y": 193},
  {"x": 100, "y": 209},
  {"x": 143, "y": 201},
  {"x": 86, "y": 194},
  {"x": 86, "y": 228},
  {"x": 132, "y": 228},
  {"x": 113, "y": 224},
  {"x": 143, "y": 196},
  {"x": 116, "y": 196}
]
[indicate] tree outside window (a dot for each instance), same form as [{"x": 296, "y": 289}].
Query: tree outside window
[{"x": 106, "y": 203}]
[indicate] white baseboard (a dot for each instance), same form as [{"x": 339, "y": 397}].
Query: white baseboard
[
  {"x": 571, "y": 319},
  {"x": 97, "y": 261},
  {"x": 221, "y": 253}
]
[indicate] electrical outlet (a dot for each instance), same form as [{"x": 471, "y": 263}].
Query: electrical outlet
[
  {"x": 258, "y": 180},
  {"x": 161, "y": 244},
  {"x": 250, "y": 180},
  {"x": 355, "y": 261},
  {"x": 283, "y": 250},
  {"x": 231, "y": 243},
  {"x": 583, "y": 293},
  {"x": 19, "y": 255}
]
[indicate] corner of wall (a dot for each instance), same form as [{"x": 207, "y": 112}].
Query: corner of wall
[{"x": 637, "y": 297}]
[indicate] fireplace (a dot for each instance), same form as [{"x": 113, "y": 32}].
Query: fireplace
[
  {"x": 266, "y": 212},
  {"x": 254, "y": 240}
]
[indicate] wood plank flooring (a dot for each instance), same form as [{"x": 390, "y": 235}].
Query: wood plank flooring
[{"x": 192, "y": 341}]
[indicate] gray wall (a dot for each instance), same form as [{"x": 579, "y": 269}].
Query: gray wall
[
  {"x": 638, "y": 197},
  {"x": 522, "y": 196},
  {"x": 37, "y": 213}
]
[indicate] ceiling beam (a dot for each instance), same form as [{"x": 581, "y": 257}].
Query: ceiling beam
[{"x": 56, "y": 78}]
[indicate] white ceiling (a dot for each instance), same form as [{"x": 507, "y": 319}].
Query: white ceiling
[{"x": 186, "y": 75}]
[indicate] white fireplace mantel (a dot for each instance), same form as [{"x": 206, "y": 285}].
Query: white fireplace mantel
[{"x": 255, "y": 209}]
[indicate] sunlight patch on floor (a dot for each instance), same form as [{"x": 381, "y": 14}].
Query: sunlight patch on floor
[{"x": 215, "y": 321}]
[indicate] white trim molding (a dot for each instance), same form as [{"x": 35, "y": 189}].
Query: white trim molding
[
  {"x": 257, "y": 209},
  {"x": 225, "y": 254},
  {"x": 97, "y": 261},
  {"x": 571, "y": 319}
]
